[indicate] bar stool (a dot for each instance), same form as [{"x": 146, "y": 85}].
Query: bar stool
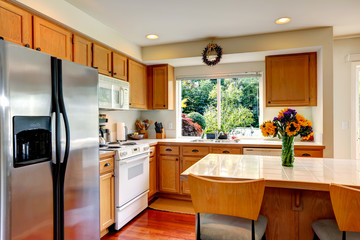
[
  {"x": 228, "y": 210},
  {"x": 346, "y": 205}
]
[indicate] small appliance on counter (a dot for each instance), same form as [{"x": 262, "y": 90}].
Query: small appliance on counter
[{"x": 121, "y": 131}]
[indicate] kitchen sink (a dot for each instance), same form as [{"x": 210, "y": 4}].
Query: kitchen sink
[{"x": 213, "y": 141}]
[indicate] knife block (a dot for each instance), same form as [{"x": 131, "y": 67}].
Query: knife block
[{"x": 160, "y": 135}]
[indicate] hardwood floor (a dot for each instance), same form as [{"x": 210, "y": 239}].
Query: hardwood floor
[{"x": 153, "y": 224}]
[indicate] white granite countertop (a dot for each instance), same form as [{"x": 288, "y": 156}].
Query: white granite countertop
[
  {"x": 307, "y": 173},
  {"x": 276, "y": 142}
]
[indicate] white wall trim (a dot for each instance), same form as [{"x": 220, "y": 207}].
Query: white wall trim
[
  {"x": 353, "y": 57},
  {"x": 354, "y": 148}
]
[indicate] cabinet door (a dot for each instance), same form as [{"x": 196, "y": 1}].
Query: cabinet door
[
  {"x": 102, "y": 59},
  {"x": 52, "y": 39},
  {"x": 291, "y": 80},
  {"x": 138, "y": 85},
  {"x": 152, "y": 177},
  {"x": 160, "y": 87},
  {"x": 187, "y": 162},
  {"x": 169, "y": 174},
  {"x": 82, "y": 51},
  {"x": 119, "y": 66},
  {"x": 107, "y": 200},
  {"x": 15, "y": 25}
]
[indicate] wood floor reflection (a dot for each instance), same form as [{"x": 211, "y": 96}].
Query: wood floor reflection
[{"x": 153, "y": 224}]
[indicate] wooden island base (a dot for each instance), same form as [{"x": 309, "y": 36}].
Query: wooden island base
[{"x": 291, "y": 212}]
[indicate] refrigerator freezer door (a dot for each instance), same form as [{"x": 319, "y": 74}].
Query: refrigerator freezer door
[
  {"x": 82, "y": 173},
  {"x": 26, "y": 83}
]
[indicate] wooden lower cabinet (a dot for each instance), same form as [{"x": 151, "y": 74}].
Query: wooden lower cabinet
[
  {"x": 107, "y": 193},
  {"x": 187, "y": 162},
  {"x": 152, "y": 177},
  {"x": 169, "y": 174}
]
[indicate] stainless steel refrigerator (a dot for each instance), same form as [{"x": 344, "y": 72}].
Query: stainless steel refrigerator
[{"x": 49, "y": 157}]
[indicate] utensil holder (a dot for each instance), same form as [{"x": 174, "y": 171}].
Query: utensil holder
[
  {"x": 160, "y": 135},
  {"x": 145, "y": 132}
]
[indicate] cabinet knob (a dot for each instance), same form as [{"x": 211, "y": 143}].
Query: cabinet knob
[
  {"x": 269, "y": 101},
  {"x": 27, "y": 45},
  {"x": 38, "y": 49},
  {"x": 130, "y": 104},
  {"x": 1, "y": 38},
  {"x": 177, "y": 159},
  {"x": 110, "y": 71},
  {"x": 195, "y": 150},
  {"x": 114, "y": 73},
  {"x": 163, "y": 105},
  {"x": 106, "y": 164}
]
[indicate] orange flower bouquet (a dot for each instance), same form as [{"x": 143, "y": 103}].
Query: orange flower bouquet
[{"x": 287, "y": 125}]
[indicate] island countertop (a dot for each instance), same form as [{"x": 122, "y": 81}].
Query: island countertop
[{"x": 307, "y": 173}]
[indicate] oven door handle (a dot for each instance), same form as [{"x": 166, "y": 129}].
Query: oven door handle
[{"x": 135, "y": 159}]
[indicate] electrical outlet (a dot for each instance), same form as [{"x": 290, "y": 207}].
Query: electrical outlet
[
  {"x": 170, "y": 125},
  {"x": 345, "y": 125}
]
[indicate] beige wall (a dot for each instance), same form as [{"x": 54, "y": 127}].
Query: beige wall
[
  {"x": 67, "y": 14},
  {"x": 319, "y": 37},
  {"x": 342, "y": 95}
]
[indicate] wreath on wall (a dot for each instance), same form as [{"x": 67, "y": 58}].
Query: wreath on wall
[{"x": 211, "y": 48}]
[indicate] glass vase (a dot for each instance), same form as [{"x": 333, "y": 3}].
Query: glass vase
[{"x": 287, "y": 153}]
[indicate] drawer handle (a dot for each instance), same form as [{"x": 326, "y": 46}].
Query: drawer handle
[
  {"x": 151, "y": 151},
  {"x": 168, "y": 150},
  {"x": 306, "y": 155},
  {"x": 195, "y": 150},
  {"x": 38, "y": 49},
  {"x": 107, "y": 164},
  {"x": 226, "y": 151},
  {"x": 27, "y": 45}
]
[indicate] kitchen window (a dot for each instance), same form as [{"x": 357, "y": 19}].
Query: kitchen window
[{"x": 226, "y": 104}]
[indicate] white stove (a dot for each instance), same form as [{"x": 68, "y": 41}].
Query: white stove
[{"x": 131, "y": 180}]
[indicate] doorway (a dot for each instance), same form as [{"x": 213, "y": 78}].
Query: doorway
[{"x": 355, "y": 133}]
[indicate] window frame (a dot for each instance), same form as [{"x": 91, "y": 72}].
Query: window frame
[{"x": 178, "y": 100}]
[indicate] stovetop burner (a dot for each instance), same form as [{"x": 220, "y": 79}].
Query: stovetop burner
[
  {"x": 129, "y": 143},
  {"x": 114, "y": 147}
]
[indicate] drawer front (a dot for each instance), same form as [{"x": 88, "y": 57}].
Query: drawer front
[
  {"x": 169, "y": 150},
  {"x": 226, "y": 150},
  {"x": 308, "y": 153},
  {"x": 107, "y": 165},
  {"x": 195, "y": 151},
  {"x": 152, "y": 151}
]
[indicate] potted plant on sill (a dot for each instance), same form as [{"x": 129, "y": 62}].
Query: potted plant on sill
[
  {"x": 286, "y": 126},
  {"x": 210, "y": 133},
  {"x": 224, "y": 132}
]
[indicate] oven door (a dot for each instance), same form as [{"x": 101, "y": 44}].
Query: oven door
[{"x": 131, "y": 178}]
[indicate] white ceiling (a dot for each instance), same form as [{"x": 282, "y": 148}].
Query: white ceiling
[{"x": 186, "y": 20}]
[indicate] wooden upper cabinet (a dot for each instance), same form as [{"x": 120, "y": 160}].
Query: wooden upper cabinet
[
  {"x": 15, "y": 25},
  {"x": 52, "y": 39},
  {"x": 291, "y": 80},
  {"x": 102, "y": 59},
  {"x": 81, "y": 50},
  {"x": 163, "y": 87},
  {"x": 119, "y": 66},
  {"x": 138, "y": 85}
]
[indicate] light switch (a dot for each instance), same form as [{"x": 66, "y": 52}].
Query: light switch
[{"x": 345, "y": 125}]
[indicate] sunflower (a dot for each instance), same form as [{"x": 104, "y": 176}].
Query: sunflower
[
  {"x": 307, "y": 138},
  {"x": 300, "y": 120},
  {"x": 292, "y": 128},
  {"x": 268, "y": 129}
]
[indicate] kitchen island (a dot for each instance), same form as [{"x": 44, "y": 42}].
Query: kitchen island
[{"x": 294, "y": 197}]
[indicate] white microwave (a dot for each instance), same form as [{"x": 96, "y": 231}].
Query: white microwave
[{"x": 113, "y": 93}]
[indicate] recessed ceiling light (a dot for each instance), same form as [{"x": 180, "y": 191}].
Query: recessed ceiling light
[
  {"x": 283, "y": 20},
  {"x": 152, "y": 36}
]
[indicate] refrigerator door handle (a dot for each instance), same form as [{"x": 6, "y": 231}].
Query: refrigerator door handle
[
  {"x": 63, "y": 164},
  {"x": 56, "y": 166}
]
